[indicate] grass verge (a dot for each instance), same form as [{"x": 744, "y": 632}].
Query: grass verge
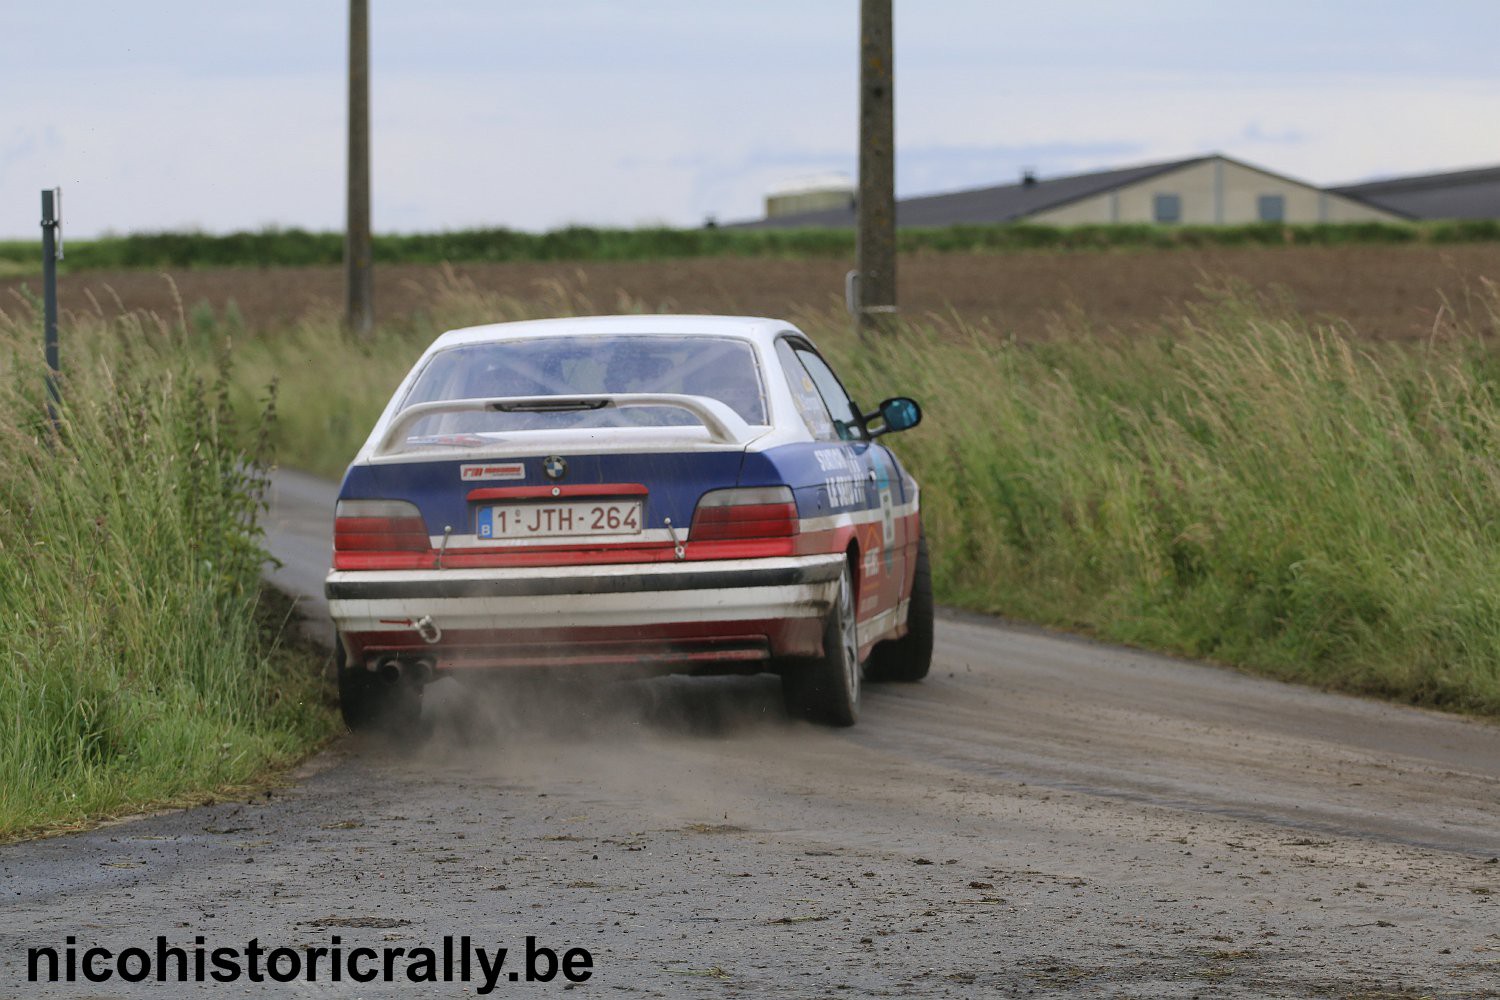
[
  {"x": 1242, "y": 486},
  {"x": 143, "y": 662}
]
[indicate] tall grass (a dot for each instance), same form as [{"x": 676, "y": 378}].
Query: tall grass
[
  {"x": 1241, "y": 485},
  {"x": 134, "y": 671},
  {"x": 297, "y": 247}
]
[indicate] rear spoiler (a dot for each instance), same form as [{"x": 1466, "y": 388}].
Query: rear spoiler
[{"x": 723, "y": 424}]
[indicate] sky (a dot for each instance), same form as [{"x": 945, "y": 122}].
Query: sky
[{"x": 181, "y": 114}]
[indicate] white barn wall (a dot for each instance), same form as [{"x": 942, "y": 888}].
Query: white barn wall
[
  {"x": 1216, "y": 191},
  {"x": 1098, "y": 210}
]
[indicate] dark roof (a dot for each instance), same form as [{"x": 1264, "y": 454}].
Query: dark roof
[
  {"x": 1005, "y": 203},
  {"x": 1458, "y": 194}
]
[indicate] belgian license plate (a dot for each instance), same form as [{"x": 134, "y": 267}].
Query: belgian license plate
[{"x": 548, "y": 520}]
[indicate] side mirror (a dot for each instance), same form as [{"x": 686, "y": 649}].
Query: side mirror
[{"x": 897, "y": 414}]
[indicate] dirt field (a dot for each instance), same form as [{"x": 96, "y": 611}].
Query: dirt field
[{"x": 1383, "y": 291}]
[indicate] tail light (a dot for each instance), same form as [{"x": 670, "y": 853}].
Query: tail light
[
  {"x": 757, "y": 512},
  {"x": 378, "y": 526}
]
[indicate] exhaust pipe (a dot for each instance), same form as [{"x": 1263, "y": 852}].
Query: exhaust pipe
[
  {"x": 389, "y": 668},
  {"x": 394, "y": 669},
  {"x": 420, "y": 670}
]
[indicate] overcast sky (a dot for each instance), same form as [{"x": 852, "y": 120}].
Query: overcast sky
[{"x": 171, "y": 114}]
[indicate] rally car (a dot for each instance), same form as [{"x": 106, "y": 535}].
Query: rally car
[{"x": 693, "y": 494}]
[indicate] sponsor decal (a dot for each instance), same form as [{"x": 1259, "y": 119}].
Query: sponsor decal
[
  {"x": 841, "y": 478},
  {"x": 482, "y": 472},
  {"x": 872, "y": 548},
  {"x": 836, "y": 460},
  {"x": 845, "y": 491},
  {"x": 887, "y": 511}
]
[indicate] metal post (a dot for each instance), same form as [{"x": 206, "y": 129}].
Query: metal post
[
  {"x": 359, "y": 309},
  {"x": 875, "y": 245},
  {"x": 51, "y": 226}
]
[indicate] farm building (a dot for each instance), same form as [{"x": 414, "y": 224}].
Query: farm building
[
  {"x": 816, "y": 194},
  {"x": 1459, "y": 194},
  {"x": 1203, "y": 190}
]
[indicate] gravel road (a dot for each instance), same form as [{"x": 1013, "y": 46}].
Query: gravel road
[{"x": 1043, "y": 817}]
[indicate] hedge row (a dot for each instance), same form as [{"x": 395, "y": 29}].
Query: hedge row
[{"x": 297, "y": 247}]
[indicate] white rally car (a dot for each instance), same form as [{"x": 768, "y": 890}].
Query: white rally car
[{"x": 691, "y": 494}]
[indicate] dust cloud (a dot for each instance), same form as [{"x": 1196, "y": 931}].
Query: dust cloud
[{"x": 634, "y": 741}]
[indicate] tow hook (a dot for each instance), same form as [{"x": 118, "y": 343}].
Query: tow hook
[
  {"x": 428, "y": 630},
  {"x": 677, "y": 549}
]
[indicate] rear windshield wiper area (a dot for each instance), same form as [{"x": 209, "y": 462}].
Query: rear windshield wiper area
[{"x": 562, "y": 404}]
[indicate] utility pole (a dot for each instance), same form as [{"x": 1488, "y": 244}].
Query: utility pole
[
  {"x": 875, "y": 244},
  {"x": 359, "y": 306},
  {"x": 51, "y": 254}
]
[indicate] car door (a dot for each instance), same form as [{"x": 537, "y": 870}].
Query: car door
[{"x": 832, "y": 416}]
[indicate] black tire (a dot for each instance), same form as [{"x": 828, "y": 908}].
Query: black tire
[
  {"x": 369, "y": 702},
  {"x": 907, "y": 659},
  {"x": 826, "y": 689}
]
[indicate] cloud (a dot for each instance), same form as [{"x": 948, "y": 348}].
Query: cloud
[
  {"x": 534, "y": 115},
  {"x": 1254, "y": 133}
]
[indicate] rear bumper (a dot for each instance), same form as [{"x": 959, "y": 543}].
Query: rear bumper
[{"x": 682, "y": 615}]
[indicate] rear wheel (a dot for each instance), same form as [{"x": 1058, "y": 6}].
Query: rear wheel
[
  {"x": 369, "y": 701},
  {"x": 826, "y": 689},
  {"x": 908, "y": 658}
]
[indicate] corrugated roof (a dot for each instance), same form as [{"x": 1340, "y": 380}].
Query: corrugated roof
[
  {"x": 1004, "y": 203},
  {"x": 1456, "y": 194}
]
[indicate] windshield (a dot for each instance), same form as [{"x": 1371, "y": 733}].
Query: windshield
[{"x": 720, "y": 368}]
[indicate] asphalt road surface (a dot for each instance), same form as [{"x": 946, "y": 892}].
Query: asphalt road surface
[{"x": 1043, "y": 817}]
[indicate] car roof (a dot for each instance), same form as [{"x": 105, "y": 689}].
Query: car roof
[
  {"x": 757, "y": 330},
  {"x": 762, "y": 330}
]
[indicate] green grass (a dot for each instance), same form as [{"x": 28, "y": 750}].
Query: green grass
[
  {"x": 1240, "y": 486},
  {"x": 19, "y": 267},
  {"x": 141, "y": 665},
  {"x": 296, "y": 247}
]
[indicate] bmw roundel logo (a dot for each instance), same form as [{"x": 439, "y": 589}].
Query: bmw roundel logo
[{"x": 555, "y": 466}]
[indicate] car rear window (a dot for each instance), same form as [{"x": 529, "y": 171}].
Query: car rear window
[{"x": 720, "y": 368}]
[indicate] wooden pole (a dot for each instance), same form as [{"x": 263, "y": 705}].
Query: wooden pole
[
  {"x": 359, "y": 305},
  {"x": 875, "y": 244}
]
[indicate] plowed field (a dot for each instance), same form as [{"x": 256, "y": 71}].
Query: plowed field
[{"x": 1382, "y": 291}]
